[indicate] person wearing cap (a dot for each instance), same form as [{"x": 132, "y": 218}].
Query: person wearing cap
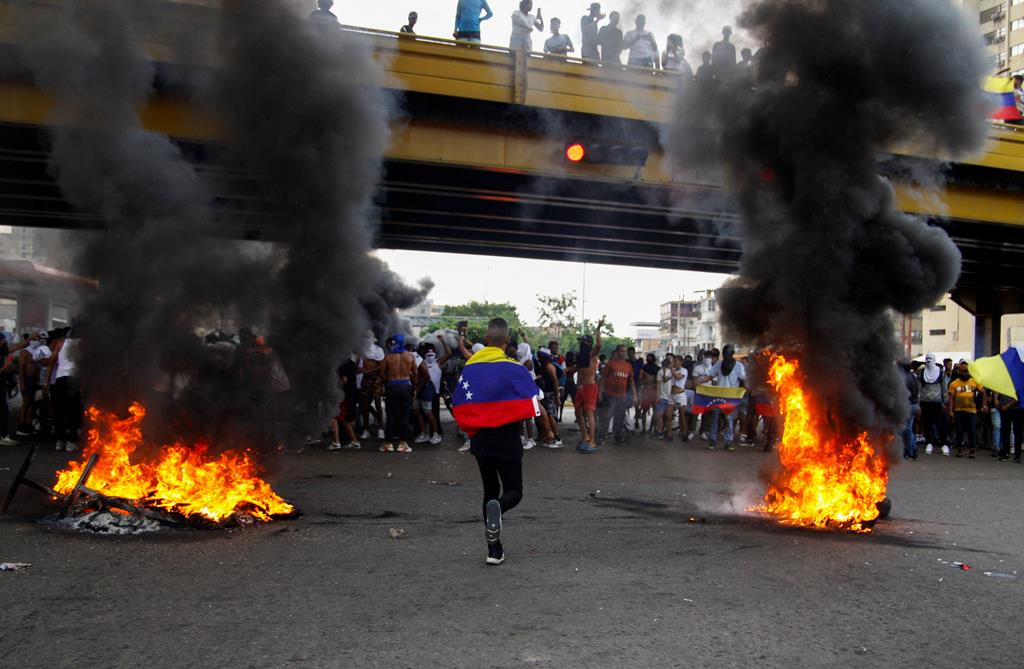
[
  {"x": 399, "y": 370},
  {"x": 410, "y": 27},
  {"x": 588, "y": 29}
]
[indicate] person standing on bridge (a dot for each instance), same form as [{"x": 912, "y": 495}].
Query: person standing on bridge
[
  {"x": 524, "y": 23},
  {"x": 558, "y": 44},
  {"x": 643, "y": 49},
  {"x": 493, "y": 395},
  {"x": 723, "y": 57},
  {"x": 609, "y": 38},
  {"x": 410, "y": 27},
  {"x": 588, "y": 29},
  {"x": 468, "y": 18},
  {"x": 322, "y": 17}
]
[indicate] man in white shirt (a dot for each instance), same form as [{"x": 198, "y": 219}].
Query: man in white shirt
[
  {"x": 524, "y": 23},
  {"x": 643, "y": 49},
  {"x": 729, "y": 373}
]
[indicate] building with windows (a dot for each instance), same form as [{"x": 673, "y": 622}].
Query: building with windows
[
  {"x": 678, "y": 327},
  {"x": 946, "y": 328},
  {"x": 422, "y": 315},
  {"x": 1002, "y": 24},
  {"x": 648, "y": 338}
]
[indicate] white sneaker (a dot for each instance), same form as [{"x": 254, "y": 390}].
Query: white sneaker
[
  {"x": 403, "y": 447},
  {"x": 464, "y": 447},
  {"x": 558, "y": 443},
  {"x": 690, "y": 436},
  {"x": 380, "y": 434},
  {"x": 928, "y": 449},
  {"x": 352, "y": 446},
  {"x": 312, "y": 441},
  {"x": 365, "y": 434},
  {"x": 945, "y": 451},
  {"x": 705, "y": 435},
  {"x": 530, "y": 443},
  {"x": 60, "y": 445},
  {"x": 435, "y": 439},
  {"x": 70, "y": 447},
  {"x": 7, "y": 441},
  {"x": 334, "y": 446},
  {"x": 551, "y": 444},
  {"x": 421, "y": 439}
]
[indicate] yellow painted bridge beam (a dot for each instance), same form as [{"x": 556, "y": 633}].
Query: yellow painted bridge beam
[{"x": 485, "y": 148}]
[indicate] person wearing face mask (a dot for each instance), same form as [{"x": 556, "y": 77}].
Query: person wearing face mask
[
  {"x": 429, "y": 386},
  {"x": 933, "y": 400},
  {"x": 728, "y": 373},
  {"x": 963, "y": 408}
]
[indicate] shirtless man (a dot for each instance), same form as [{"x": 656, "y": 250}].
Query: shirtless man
[
  {"x": 399, "y": 370},
  {"x": 586, "y": 392}
]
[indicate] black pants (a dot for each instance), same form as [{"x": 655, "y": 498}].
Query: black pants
[
  {"x": 1012, "y": 418},
  {"x": 966, "y": 426},
  {"x": 67, "y": 408},
  {"x": 933, "y": 423},
  {"x": 498, "y": 474},
  {"x": 398, "y": 397},
  {"x": 5, "y": 413}
]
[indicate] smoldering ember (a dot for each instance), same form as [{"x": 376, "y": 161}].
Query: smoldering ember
[{"x": 507, "y": 334}]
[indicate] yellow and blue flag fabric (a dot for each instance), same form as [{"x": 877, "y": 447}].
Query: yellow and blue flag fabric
[
  {"x": 1002, "y": 373},
  {"x": 493, "y": 390},
  {"x": 1000, "y": 90},
  {"x": 709, "y": 398}
]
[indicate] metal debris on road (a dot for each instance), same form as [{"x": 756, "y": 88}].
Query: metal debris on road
[
  {"x": 396, "y": 533},
  {"x": 14, "y": 566}
]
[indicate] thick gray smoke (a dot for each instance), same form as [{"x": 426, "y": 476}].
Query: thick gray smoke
[
  {"x": 312, "y": 130},
  {"x": 160, "y": 272},
  {"x": 305, "y": 114},
  {"x": 825, "y": 253}
]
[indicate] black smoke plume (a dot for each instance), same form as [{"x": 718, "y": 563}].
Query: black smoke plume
[
  {"x": 304, "y": 112},
  {"x": 826, "y": 256}
]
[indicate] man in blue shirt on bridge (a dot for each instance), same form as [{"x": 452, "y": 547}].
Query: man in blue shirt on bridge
[{"x": 467, "y": 19}]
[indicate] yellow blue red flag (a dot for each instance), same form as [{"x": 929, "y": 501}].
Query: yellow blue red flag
[
  {"x": 493, "y": 390},
  {"x": 716, "y": 397},
  {"x": 1000, "y": 90},
  {"x": 1002, "y": 373}
]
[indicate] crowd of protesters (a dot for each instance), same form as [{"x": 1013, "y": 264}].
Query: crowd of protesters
[{"x": 42, "y": 369}]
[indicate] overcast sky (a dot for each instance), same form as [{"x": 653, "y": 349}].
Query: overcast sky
[{"x": 625, "y": 294}]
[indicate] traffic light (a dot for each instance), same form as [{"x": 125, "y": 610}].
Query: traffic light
[{"x": 598, "y": 153}]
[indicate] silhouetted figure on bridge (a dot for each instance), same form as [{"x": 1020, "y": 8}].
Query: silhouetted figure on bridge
[
  {"x": 322, "y": 16},
  {"x": 705, "y": 73},
  {"x": 558, "y": 44},
  {"x": 609, "y": 38},
  {"x": 673, "y": 58},
  {"x": 643, "y": 49},
  {"x": 410, "y": 27},
  {"x": 523, "y": 24},
  {"x": 723, "y": 57},
  {"x": 468, "y": 18},
  {"x": 588, "y": 30}
]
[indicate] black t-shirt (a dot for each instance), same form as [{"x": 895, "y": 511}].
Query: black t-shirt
[
  {"x": 498, "y": 442},
  {"x": 348, "y": 370}
]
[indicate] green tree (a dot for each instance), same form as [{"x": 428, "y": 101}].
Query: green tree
[
  {"x": 477, "y": 314},
  {"x": 559, "y": 313}
]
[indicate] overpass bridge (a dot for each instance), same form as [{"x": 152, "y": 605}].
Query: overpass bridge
[{"x": 476, "y": 162}]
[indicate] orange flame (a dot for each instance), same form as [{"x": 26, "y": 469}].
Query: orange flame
[
  {"x": 825, "y": 481},
  {"x": 185, "y": 479}
]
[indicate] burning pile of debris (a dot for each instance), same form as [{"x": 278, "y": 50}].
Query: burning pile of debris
[{"x": 183, "y": 485}]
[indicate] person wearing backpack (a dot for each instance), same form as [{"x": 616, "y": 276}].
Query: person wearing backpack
[{"x": 933, "y": 396}]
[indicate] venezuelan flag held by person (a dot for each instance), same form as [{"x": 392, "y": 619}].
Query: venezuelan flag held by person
[
  {"x": 1000, "y": 89},
  {"x": 1002, "y": 373},
  {"x": 716, "y": 397}
]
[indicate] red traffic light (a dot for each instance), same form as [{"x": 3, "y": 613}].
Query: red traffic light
[{"x": 575, "y": 153}]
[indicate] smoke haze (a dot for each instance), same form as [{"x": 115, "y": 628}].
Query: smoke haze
[
  {"x": 303, "y": 112},
  {"x": 825, "y": 253}
]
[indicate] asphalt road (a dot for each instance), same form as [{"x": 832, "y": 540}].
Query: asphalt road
[{"x": 604, "y": 569}]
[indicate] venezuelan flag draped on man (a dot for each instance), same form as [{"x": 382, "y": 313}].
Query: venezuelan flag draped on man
[
  {"x": 1002, "y": 373},
  {"x": 493, "y": 390}
]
